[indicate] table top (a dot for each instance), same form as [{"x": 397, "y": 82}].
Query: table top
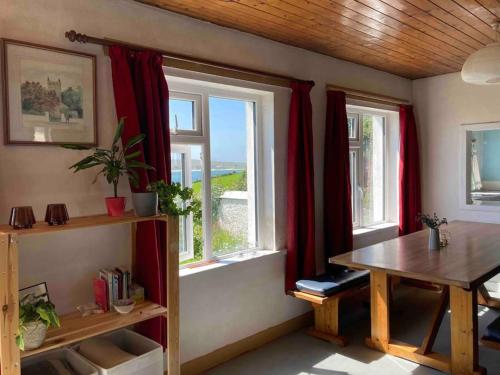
[{"x": 471, "y": 258}]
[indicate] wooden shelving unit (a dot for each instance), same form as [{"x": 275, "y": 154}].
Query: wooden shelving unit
[{"x": 75, "y": 328}]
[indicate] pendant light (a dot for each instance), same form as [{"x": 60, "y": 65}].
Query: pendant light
[{"x": 483, "y": 66}]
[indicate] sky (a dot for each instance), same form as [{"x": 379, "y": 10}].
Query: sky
[{"x": 227, "y": 126}]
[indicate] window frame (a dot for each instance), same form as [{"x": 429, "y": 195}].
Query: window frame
[
  {"x": 205, "y": 90},
  {"x": 355, "y": 144},
  {"x": 185, "y": 151},
  {"x": 197, "y": 113}
]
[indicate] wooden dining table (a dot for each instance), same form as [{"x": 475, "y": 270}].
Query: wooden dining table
[{"x": 471, "y": 257}]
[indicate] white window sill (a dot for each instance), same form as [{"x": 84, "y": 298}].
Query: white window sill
[
  {"x": 374, "y": 234},
  {"x": 374, "y": 228},
  {"x": 225, "y": 262}
]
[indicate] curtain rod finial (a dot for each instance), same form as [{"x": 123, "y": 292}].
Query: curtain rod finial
[{"x": 73, "y": 36}]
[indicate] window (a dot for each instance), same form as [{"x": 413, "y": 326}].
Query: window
[
  {"x": 185, "y": 113},
  {"x": 214, "y": 151},
  {"x": 367, "y": 156}
]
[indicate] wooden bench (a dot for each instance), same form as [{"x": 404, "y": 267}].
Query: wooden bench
[
  {"x": 326, "y": 307},
  {"x": 492, "y": 337}
]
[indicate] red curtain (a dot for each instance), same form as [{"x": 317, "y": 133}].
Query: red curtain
[
  {"x": 300, "y": 261},
  {"x": 409, "y": 173},
  {"x": 141, "y": 96},
  {"x": 337, "y": 182}
]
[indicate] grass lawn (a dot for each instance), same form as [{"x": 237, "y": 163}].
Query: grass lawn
[
  {"x": 226, "y": 182},
  {"x": 222, "y": 240}
]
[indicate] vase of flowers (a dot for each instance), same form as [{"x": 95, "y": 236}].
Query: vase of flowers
[
  {"x": 433, "y": 223},
  {"x": 115, "y": 162}
]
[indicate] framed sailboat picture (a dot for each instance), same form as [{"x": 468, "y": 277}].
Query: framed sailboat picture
[{"x": 49, "y": 95}]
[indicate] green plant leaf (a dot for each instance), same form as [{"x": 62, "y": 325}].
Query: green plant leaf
[
  {"x": 139, "y": 164},
  {"x": 119, "y": 130},
  {"x": 20, "y": 341},
  {"x": 134, "y": 180},
  {"x": 135, "y": 140},
  {"x": 75, "y": 147},
  {"x": 133, "y": 155},
  {"x": 44, "y": 315},
  {"x": 87, "y": 166},
  {"x": 86, "y": 160}
]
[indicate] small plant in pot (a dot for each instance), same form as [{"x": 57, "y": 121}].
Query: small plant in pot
[
  {"x": 175, "y": 200},
  {"x": 36, "y": 315},
  {"x": 115, "y": 162},
  {"x": 433, "y": 222}
]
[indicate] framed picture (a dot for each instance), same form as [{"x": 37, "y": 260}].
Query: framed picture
[
  {"x": 49, "y": 95},
  {"x": 35, "y": 291}
]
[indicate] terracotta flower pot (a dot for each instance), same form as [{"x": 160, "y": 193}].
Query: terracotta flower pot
[{"x": 115, "y": 206}]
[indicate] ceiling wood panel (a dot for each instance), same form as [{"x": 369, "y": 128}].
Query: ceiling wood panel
[{"x": 410, "y": 38}]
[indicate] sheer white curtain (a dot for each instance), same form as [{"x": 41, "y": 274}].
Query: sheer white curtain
[{"x": 476, "y": 183}]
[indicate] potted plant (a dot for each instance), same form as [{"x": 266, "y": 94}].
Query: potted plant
[
  {"x": 36, "y": 315},
  {"x": 175, "y": 200},
  {"x": 115, "y": 162},
  {"x": 433, "y": 223},
  {"x": 145, "y": 203}
]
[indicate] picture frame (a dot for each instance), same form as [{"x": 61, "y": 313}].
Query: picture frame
[
  {"x": 35, "y": 290},
  {"x": 49, "y": 95}
]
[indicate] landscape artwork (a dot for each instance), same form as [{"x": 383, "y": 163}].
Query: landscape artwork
[{"x": 50, "y": 95}]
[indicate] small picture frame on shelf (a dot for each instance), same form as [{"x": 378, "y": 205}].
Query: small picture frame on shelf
[
  {"x": 36, "y": 291},
  {"x": 49, "y": 95}
]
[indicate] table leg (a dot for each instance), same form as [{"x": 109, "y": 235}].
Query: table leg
[
  {"x": 380, "y": 335},
  {"x": 380, "y": 305},
  {"x": 464, "y": 335}
]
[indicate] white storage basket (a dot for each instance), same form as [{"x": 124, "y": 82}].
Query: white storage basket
[
  {"x": 149, "y": 360},
  {"x": 79, "y": 364}
]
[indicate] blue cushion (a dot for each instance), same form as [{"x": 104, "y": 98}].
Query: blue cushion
[
  {"x": 493, "y": 330},
  {"x": 327, "y": 285}
]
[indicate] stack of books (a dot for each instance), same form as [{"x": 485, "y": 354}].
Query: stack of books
[{"x": 111, "y": 285}]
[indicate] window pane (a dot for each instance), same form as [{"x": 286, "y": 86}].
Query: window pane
[
  {"x": 182, "y": 115},
  {"x": 187, "y": 170},
  {"x": 232, "y": 125},
  {"x": 352, "y": 126},
  {"x": 373, "y": 199},
  {"x": 353, "y": 170}
]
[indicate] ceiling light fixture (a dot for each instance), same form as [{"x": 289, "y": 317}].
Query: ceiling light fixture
[{"x": 483, "y": 66}]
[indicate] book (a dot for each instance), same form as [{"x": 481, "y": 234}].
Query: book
[
  {"x": 120, "y": 282},
  {"x": 101, "y": 294},
  {"x": 125, "y": 281},
  {"x": 115, "y": 277},
  {"x": 106, "y": 276}
]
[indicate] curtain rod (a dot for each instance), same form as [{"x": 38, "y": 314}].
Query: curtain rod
[
  {"x": 368, "y": 96},
  {"x": 176, "y": 60}
]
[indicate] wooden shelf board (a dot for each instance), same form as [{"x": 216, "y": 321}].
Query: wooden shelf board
[
  {"x": 75, "y": 328},
  {"x": 80, "y": 222}
]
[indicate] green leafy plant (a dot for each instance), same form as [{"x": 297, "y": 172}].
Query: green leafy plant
[
  {"x": 432, "y": 221},
  {"x": 35, "y": 309},
  {"x": 115, "y": 161},
  {"x": 176, "y": 200}
]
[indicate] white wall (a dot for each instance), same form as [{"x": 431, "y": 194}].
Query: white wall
[
  {"x": 442, "y": 104},
  {"x": 38, "y": 175}
]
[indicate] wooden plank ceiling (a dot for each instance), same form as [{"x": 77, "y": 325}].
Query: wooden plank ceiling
[{"x": 410, "y": 38}]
